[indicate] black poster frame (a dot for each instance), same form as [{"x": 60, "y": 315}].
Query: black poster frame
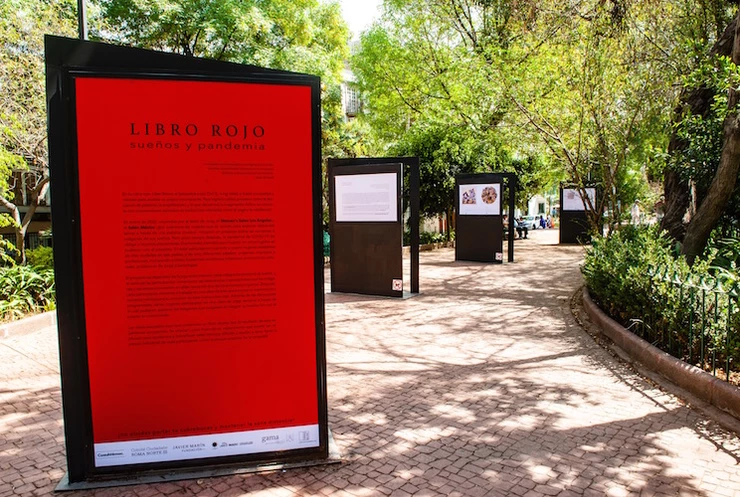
[
  {"x": 66, "y": 60},
  {"x": 414, "y": 199},
  {"x": 469, "y": 246}
]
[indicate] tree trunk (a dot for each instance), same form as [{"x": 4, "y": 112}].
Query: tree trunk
[
  {"x": 20, "y": 245},
  {"x": 450, "y": 222},
  {"x": 22, "y": 224},
  {"x": 677, "y": 201},
  {"x": 16, "y": 215},
  {"x": 719, "y": 193},
  {"x": 695, "y": 102}
]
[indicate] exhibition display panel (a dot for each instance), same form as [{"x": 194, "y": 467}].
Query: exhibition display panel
[
  {"x": 367, "y": 227},
  {"x": 574, "y": 206},
  {"x": 187, "y": 221},
  {"x": 479, "y": 226}
]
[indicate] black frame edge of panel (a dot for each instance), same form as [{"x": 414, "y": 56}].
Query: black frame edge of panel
[
  {"x": 415, "y": 219},
  {"x": 68, "y": 274},
  {"x": 511, "y": 180},
  {"x": 457, "y": 213},
  {"x": 76, "y": 52},
  {"x": 319, "y": 271},
  {"x": 414, "y": 202}
]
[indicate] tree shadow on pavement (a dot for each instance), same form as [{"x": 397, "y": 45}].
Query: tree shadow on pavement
[
  {"x": 485, "y": 385},
  {"x": 32, "y": 445}
]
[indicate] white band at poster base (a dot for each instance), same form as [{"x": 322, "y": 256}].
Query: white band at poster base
[{"x": 205, "y": 446}]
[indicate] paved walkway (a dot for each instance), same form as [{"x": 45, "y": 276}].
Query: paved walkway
[{"x": 485, "y": 385}]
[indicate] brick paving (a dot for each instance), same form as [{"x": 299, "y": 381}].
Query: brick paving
[{"x": 485, "y": 385}]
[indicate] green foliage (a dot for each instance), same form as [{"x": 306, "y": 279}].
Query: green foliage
[
  {"x": 636, "y": 277},
  {"x": 702, "y": 136},
  {"x": 25, "y": 290},
  {"x": 551, "y": 91},
  {"x": 297, "y": 34},
  {"x": 599, "y": 96},
  {"x": 23, "y": 24},
  {"x": 23, "y": 144},
  {"x": 616, "y": 269},
  {"x": 443, "y": 153},
  {"x": 446, "y": 151},
  {"x": 427, "y": 237},
  {"x": 416, "y": 71},
  {"x": 40, "y": 258},
  {"x": 8, "y": 252},
  {"x": 726, "y": 262},
  {"x": 534, "y": 175}
]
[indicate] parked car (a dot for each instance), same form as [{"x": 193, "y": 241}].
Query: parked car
[{"x": 531, "y": 222}]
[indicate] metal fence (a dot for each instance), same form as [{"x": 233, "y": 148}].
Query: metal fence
[
  {"x": 32, "y": 240},
  {"x": 694, "y": 319}
]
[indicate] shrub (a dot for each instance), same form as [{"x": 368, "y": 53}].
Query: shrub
[
  {"x": 24, "y": 290},
  {"x": 40, "y": 258},
  {"x": 636, "y": 277},
  {"x": 427, "y": 237},
  {"x": 726, "y": 261},
  {"x": 616, "y": 269}
]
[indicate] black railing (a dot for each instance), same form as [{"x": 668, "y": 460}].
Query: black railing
[{"x": 696, "y": 320}]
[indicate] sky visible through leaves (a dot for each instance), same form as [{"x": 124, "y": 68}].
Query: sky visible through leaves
[{"x": 359, "y": 14}]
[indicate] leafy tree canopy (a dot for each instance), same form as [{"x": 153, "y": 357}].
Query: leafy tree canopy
[
  {"x": 23, "y": 152},
  {"x": 297, "y": 35},
  {"x": 580, "y": 91}
]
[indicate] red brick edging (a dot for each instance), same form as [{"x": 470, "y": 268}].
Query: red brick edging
[{"x": 703, "y": 385}]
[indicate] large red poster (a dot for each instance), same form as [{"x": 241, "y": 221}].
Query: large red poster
[{"x": 196, "y": 217}]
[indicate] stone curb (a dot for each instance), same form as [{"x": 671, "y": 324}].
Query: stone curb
[
  {"x": 28, "y": 325},
  {"x": 703, "y": 385}
]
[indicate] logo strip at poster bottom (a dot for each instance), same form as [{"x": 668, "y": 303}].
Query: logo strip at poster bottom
[{"x": 204, "y": 446}]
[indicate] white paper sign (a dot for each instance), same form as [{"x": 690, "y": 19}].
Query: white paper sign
[
  {"x": 480, "y": 200},
  {"x": 572, "y": 200},
  {"x": 366, "y": 197}
]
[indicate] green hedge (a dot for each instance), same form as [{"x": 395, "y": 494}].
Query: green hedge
[
  {"x": 617, "y": 269},
  {"x": 40, "y": 258},
  {"x": 427, "y": 237},
  {"x": 637, "y": 278}
]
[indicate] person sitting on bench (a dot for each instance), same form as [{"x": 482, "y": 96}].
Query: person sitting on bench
[{"x": 521, "y": 228}]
